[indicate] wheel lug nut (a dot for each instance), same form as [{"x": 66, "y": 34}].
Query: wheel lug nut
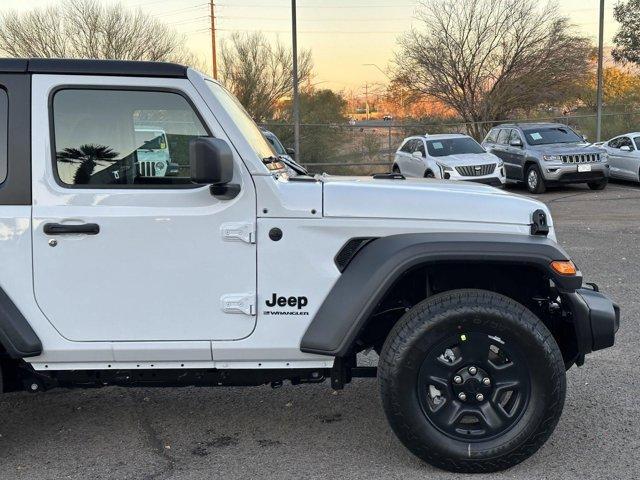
[
  {"x": 473, "y": 370},
  {"x": 486, "y": 381},
  {"x": 457, "y": 379},
  {"x": 479, "y": 397},
  {"x": 462, "y": 396}
]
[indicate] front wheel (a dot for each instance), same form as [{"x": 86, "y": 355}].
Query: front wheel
[
  {"x": 471, "y": 381},
  {"x": 598, "y": 185},
  {"x": 534, "y": 180}
]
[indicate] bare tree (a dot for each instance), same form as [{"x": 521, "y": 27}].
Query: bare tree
[
  {"x": 89, "y": 29},
  {"x": 259, "y": 73},
  {"x": 488, "y": 58}
]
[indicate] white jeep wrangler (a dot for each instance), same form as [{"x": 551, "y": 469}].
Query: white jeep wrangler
[{"x": 238, "y": 275}]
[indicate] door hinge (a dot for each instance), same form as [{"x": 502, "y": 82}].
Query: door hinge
[
  {"x": 239, "y": 303},
  {"x": 243, "y": 231}
]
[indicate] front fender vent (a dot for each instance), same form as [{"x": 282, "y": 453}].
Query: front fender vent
[{"x": 349, "y": 251}]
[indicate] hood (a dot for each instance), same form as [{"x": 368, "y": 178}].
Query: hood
[
  {"x": 567, "y": 148},
  {"x": 425, "y": 199},
  {"x": 467, "y": 159}
]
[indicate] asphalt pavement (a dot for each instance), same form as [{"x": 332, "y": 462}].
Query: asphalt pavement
[{"x": 312, "y": 432}]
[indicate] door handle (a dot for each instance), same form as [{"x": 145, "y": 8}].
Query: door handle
[{"x": 65, "y": 229}]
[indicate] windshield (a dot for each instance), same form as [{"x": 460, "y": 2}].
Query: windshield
[
  {"x": 453, "y": 146},
  {"x": 549, "y": 135},
  {"x": 242, "y": 120},
  {"x": 275, "y": 143}
]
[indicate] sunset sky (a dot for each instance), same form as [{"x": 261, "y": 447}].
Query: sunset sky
[{"x": 342, "y": 34}]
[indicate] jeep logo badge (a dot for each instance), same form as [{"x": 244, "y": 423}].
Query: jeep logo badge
[{"x": 299, "y": 302}]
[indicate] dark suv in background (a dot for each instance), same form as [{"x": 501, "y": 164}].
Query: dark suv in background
[{"x": 543, "y": 154}]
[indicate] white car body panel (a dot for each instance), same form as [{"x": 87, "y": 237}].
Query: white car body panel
[
  {"x": 62, "y": 290},
  {"x": 149, "y": 241},
  {"x": 624, "y": 165},
  {"x": 433, "y": 200}
]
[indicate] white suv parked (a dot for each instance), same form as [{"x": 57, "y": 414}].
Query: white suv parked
[{"x": 450, "y": 157}]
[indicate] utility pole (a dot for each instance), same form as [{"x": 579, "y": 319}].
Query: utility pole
[
  {"x": 214, "y": 60},
  {"x": 599, "y": 94},
  {"x": 296, "y": 97},
  {"x": 366, "y": 99}
]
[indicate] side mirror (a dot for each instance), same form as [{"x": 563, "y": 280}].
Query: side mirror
[
  {"x": 417, "y": 154},
  {"x": 290, "y": 151},
  {"x": 211, "y": 161},
  {"x": 625, "y": 148},
  {"x": 515, "y": 143}
]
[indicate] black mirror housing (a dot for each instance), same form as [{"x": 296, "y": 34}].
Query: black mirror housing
[
  {"x": 211, "y": 161},
  {"x": 290, "y": 151}
]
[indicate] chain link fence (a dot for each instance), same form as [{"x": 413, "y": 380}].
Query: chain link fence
[{"x": 369, "y": 147}]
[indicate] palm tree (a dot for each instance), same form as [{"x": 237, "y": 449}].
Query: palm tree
[{"x": 87, "y": 156}]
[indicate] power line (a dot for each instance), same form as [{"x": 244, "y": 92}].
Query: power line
[
  {"x": 262, "y": 5},
  {"x": 395, "y": 32},
  {"x": 233, "y": 17}
]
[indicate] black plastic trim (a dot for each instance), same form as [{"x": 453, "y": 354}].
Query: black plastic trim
[
  {"x": 596, "y": 319},
  {"x": 68, "y": 229},
  {"x": 16, "y": 335},
  {"x": 66, "y": 66},
  {"x": 381, "y": 262},
  {"x": 16, "y": 189}
]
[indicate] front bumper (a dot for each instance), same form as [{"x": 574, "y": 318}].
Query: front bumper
[
  {"x": 495, "y": 179},
  {"x": 568, "y": 172},
  {"x": 595, "y": 317}
]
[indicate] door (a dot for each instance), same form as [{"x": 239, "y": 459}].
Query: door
[
  {"x": 122, "y": 254},
  {"x": 627, "y": 158},
  {"x": 516, "y": 154},
  {"x": 502, "y": 150}
]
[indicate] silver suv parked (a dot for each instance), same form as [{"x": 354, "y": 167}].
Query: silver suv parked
[{"x": 543, "y": 154}]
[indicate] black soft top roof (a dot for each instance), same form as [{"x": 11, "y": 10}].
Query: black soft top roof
[{"x": 92, "y": 67}]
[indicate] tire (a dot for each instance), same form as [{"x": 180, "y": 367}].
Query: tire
[
  {"x": 395, "y": 168},
  {"x": 429, "y": 174},
  {"x": 534, "y": 180},
  {"x": 482, "y": 438},
  {"x": 598, "y": 185}
]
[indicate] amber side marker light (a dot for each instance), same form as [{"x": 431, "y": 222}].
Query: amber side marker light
[{"x": 564, "y": 267}]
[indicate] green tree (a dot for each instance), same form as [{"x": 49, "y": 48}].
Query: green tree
[
  {"x": 322, "y": 113},
  {"x": 627, "y": 39}
]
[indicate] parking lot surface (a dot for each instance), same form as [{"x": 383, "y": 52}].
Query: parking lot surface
[{"x": 312, "y": 432}]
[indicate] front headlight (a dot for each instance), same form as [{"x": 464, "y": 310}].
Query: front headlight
[
  {"x": 500, "y": 163},
  {"x": 604, "y": 157},
  {"x": 444, "y": 168},
  {"x": 552, "y": 158}
]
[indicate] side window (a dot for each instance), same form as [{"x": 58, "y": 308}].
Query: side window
[
  {"x": 626, "y": 142},
  {"x": 420, "y": 147},
  {"x": 123, "y": 137},
  {"x": 637, "y": 140},
  {"x": 406, "y": 147},
  {"x": 492, "y": 136},
  {"x": 503, "y": 136},
  {"x": 4, "y": 133},
  {"x": 515, "y": 135}
]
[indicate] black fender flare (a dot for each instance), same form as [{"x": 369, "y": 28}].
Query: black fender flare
[
  {"x": 378, "y": 264},
  {"x": 16, "y": 335}
]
